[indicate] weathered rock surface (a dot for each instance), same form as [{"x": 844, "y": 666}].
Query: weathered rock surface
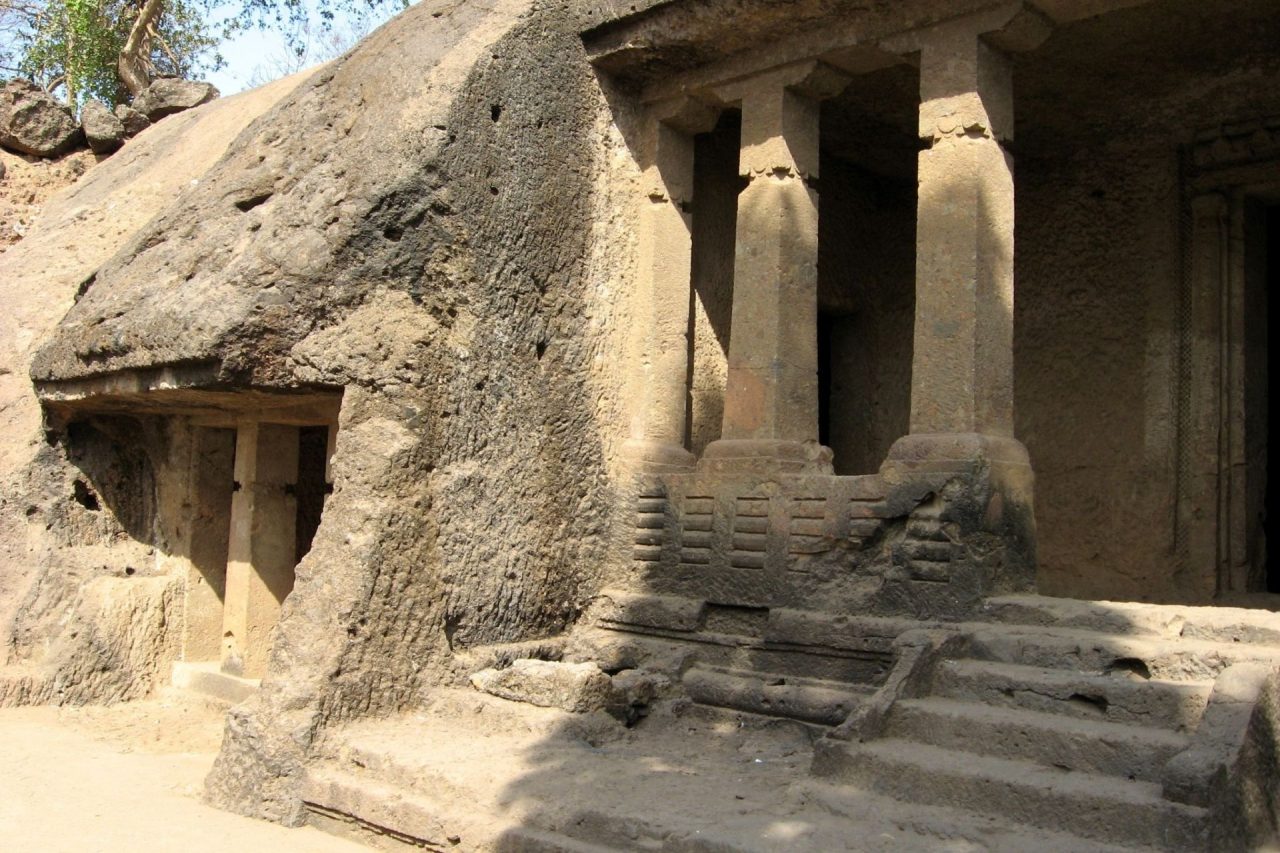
[
  {"x": 104, "y": 131},
  {"x": 168, "y": 95},
  {"x": 133, "y": 121},
  {"x": 32, "y": 122}
]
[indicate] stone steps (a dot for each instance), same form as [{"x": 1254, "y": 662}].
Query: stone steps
[
  {"x": 1114, "y": 698},
  {"x": 1051, "y": 740},
  {"x": 1057, "y": 725},
  {"x": 1169, "y": 621},
  {"x": 1081, "y": 649},
  {"x": 950, "y": 828},
  {"x": 380, "y": 814},
  {"x": 1087, "y": 805}
]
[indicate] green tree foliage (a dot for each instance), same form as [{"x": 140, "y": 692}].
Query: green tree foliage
[
  {"x": 108, "y": 49},
  {"x": 73, "y": 46}
]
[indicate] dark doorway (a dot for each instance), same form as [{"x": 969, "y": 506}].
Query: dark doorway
[
  {"x": 866, "y": 266},
  {"x": 313, "y": 455},
  {"x": 716, "y": 185}
]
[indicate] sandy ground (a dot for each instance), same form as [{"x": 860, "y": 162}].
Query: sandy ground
[{"x": 125, "y": 778}]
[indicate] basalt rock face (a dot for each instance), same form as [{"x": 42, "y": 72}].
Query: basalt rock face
[{"x": 413, "y": 225}]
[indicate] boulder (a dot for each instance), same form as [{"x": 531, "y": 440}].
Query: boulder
[
  {"x": 134, "y": 122},
  {"x": 31, "y": 122},
  {"x": 104, "y": 131},
  {"x": 169, "y": 95}
]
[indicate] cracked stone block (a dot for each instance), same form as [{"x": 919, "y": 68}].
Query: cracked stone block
[{"x": 576, "y": 687}]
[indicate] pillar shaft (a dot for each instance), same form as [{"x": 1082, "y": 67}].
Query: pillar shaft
[
  {"x": 773, "y": 350},
  {"x": 962, "y": 368},
  {"x": 771, "y": 394},
  {"x": 262, "y": 548}
]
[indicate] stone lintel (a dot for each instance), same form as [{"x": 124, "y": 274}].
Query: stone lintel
[
  {"x": 176, "y": 391},
  {"x": 686, "y": 114},
  {"x": 1014, "y": 26}
]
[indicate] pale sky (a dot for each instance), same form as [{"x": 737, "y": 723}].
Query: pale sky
[{"x": 256, "y": 57}]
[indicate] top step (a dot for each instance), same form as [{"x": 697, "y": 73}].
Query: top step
[{"x": 1167, "y": 621}]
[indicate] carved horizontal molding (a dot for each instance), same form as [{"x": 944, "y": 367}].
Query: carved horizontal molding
[{"x": 1236, "y": 143}]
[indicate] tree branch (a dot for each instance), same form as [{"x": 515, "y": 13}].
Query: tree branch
[{"x": 134, "y": 64}]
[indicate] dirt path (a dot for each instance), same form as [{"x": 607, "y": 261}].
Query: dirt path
[{"x": 126, "y": 778}]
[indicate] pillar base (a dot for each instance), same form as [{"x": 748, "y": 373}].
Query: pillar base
[
  {"x": 1003, "y": 459},
  {"x": 658, "y": 457},
  {"x": 765, "y": 456},
  {"x": 985, "y": 486}
]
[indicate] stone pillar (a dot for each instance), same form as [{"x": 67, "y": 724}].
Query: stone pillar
[
  {"x": 209, "y": 519},
  {"x": 771, "y": 396},
  {"x": 962, "y": 364},
  {"x": 663, "y": 302},
  {"x": 260, "y": 562},
  {"x": 962, "y": 371}
]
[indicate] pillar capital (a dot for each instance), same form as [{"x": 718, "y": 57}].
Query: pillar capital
[
  {"x": 966, "y": 89},
  {"x": 965, "y": 86}
]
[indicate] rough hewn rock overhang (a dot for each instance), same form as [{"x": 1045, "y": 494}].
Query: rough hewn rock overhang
[{"x": 640, "y": 43}]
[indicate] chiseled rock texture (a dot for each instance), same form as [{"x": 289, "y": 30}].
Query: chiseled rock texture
[
  {"x": 86, "y": 613},
  {"x": 414, "y": 226}
]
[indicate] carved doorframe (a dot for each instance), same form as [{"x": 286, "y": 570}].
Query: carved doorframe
[{"x": 1225, "y": 173}]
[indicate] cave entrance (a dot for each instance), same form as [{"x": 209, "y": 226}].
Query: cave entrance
[
  {"x": 278, "y": 490},
  {"x": 1234, "y": 262},
  {"x": 240, "y": 483},
  {"x": 257, "y": 492}
]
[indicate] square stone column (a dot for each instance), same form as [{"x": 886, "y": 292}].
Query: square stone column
[
  {"x": 962, "y": 363},
  {"x": 962, "y": 369},
  {"x": 262, "y": 549},
  {"x": 771, "y": 395},
  {"x": 663, "y": 283}
]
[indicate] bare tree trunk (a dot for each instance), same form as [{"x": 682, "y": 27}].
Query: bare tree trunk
[{"x": 134, "y": 65}]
